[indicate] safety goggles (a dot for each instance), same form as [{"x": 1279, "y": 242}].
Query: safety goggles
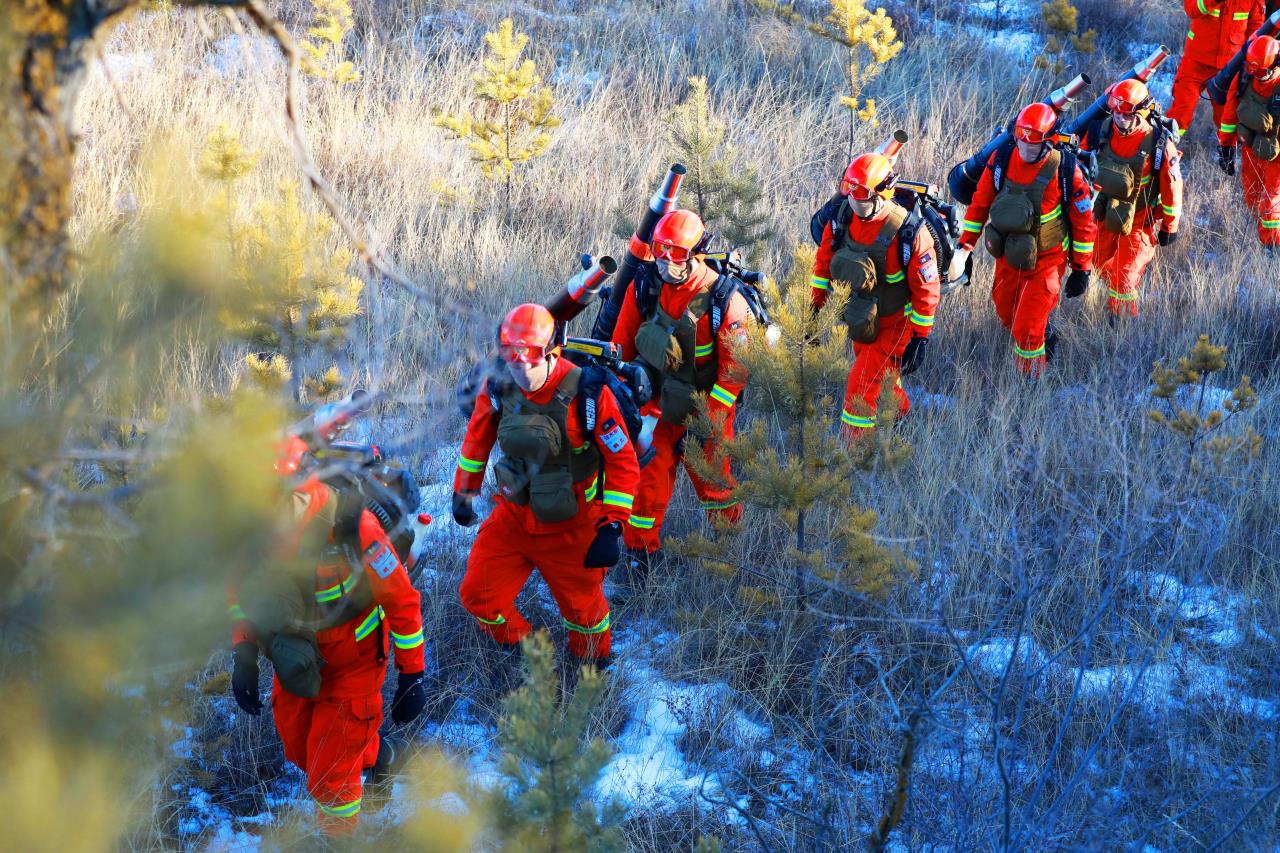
[
  {"x": 857, "y": 192},
  {"x": 1125, "y": 107},
  {"x": 1030, "y": 135},
  {"x": 664, "y": 251},
  {"x": 522, "y": 354}
]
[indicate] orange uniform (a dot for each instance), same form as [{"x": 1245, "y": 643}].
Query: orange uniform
[
  {"x": 658, "y": 477},
  {"x": 334, "y": 736},
  {"x": 1025, "y": 299},
  {"x": 873, "y": 361},
  {"x": 513, "y": 541},
  {"x": 1124, "y": 258},
  {"x": 1260, "y": 179},
  {"x": 1219, "y": 28}
]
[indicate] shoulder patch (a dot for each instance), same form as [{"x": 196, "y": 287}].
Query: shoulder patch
[
  {"x": 381, "y": 560},
  {"x": 612, "y": 436},
  {"x": 1084, "y": 205}
]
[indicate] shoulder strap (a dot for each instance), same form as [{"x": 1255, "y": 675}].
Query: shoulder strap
[
  {"x": 588, "y": 395},
  {"x": 1067, "y": 166},
  {"x": 840, "y": 224},
  {"x": 645, "y": 293},
  {"x": 1003, "y": 155},
  {"x": 721, "y": 292},
  {"x": 907, "y": 235}
]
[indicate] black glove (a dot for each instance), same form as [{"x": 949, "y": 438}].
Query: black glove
[
  {"x": 1077, "y": 283},
  {"x": 463, "y": 513},
  {"x": 605, "y": 548},
  {"x": 244, "y": 678},
  {"x": 1166, "y": 238},
  {"x": 410, "y": 698},
  {"x": 1227, "y": 159},
  {"x": 912, "y": 355}
]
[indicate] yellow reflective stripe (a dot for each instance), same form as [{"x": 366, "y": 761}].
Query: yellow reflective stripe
[
  {"x": 820, "y": 283},
  {"x": 1170, "y": 211},
  {"x": 598, "y": 628},
  {"x": 1081, "y": 248},
  {"x": 1145, "y": 181},
  {"x": 1190, "y": 35},
  {"x": 921, "y": 320},
  {"x": 703, "y": 350},
  {"x": 1270, "y": 223},
  {"x": 236, "y": 612},
  {"x": 1123, "y": 297},
  {"x": 1028, "y": 353},
  {"x": 641, "y": 522},
  {"x": 895, "y": 277},
  {"x": 712, "y": 506},
  {"x": 621, "y": 499},
  {"x": 1051, "y": 215},
  {"x": 1200, "y": 6},
  {"x": 720, "y": 395},
  {"x": 850, "y": 419},
  {"x": 350, "y": 809},
  {"x": 590, "y": 494},
  {"x": 971, "y": 226},
  {"x": 370, "y": 622},
  {"x": 1228, "y": 128},
  {"x": 407, "y": 641},
  {"x": 1238, "y": 16},
  {"x": 501, "y": 620},
  {"x": 331, "y": 593},
  {"x": 471, "y": 466}
]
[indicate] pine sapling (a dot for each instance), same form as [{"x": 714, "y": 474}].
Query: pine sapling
[
  {"x": 323, "y": 57},
  {"x": 1061, "y": 20}
]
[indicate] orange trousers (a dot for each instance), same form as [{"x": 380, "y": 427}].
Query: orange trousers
[
  {"x": 1024, "y": 301},
  {"x": 1261, "y": 182},
  {"x": 503, "y": 557},
  {"x": 333, "y": 741},
  {"x": 871, "y": 364},
  {"x": 1188, "y": 83},
  {"x": 1122, "y": 260},
  {"x": 658, "y": 480}
]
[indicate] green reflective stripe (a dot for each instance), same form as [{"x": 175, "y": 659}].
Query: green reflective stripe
[
  {"x": 370, "y": 622},
  {"x": 1237, "y": 16},
  {"x": 921, "y": 320},
  {"x": 1190, "y": 35},
  {"x": 850, "y": 419},
  {"x": 712, "y": 506},
  {"x": 1228, "y": 128},
  {"x": 1081, "y": 248},
  {"x": 590, "y": 494},
  {"x": 350, "y": 809},
  {"x": 720, "y": 395},
  {"x": 330, "y": 594},
  {"x": 1200, "y": 6},
  {"x": 1051, "y": 215},
  {"x": 621, "y": 499},
  {"x": 583, "y": 449},
  {"x": 1271, "y": 223},
  {"x": 820, "y": 283},
  {"x": 1170, "y": 211},
  {"x": 895, "y": 277},
  {"x": 501, "y": 620},
  {"x": 1066, "y": 241},
  {"x": 1028, "y": 353},
  {"x": 971, "y": 226},
  {"x": 236, "y": 612},
  {"x": 1122, "y": 297},
  {"x": 471, "y": 466},
  {"x": 407, "y": 641},
  {"x": 704, "y": 350},
  {"x": 1145, "y": 181},
  {"x": 598, "y": 628},
  {"x": 641, "y": 522}
]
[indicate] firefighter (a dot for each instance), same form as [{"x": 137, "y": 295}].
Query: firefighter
[
  {"x": 1251, "y": 115},
  {"x": 1218, "y": 29},
  {"x": 566, "y": 483},
  {"x": 668, "y": 321},
  {"x": 862, "y": 246},
  {"x": 1037, "y": 207},
  {"x": 326, "y": 694},
  {"x": 1139, "y": 179}
]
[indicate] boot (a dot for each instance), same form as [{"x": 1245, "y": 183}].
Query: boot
[
  {"x": 505, "y": 672},
  {"x": 630, "y": 577},
  {"x": 392, "y": 752},
  {"x": 573, "y": 666},
  {"x": 1050, "y": 342}
]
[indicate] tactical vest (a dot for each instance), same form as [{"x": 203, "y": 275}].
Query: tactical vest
[
  {"x": 862, "y": 265},
  {"x": 538, "y": 466},
  {"x": 669, "y": 345},
  {"x": 1259, "y": 121},
  {"x": 1120, "y": 180},
  {"x": 1016, "y": 229}
]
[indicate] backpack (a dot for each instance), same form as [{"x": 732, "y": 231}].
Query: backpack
[
  {"x": 925, "y": 209},
  {"x": 1071, "y": 159},
  {"x": 731, "y": 279}
]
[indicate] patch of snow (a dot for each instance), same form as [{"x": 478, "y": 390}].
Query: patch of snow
[
  {"x": 120, "y": 66},
  {"x": 233, "y": 55},
  {"x": 228, "y": 840},
  {"x": 1188, "y": 398},
  {"x": 934, "y": 402}
]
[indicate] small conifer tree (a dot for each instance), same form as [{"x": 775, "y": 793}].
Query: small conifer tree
[
  {"x": 723, "y": 193},
  {"x": 1061, "y": 20},
  {"x": 1203, "y": 426},
  {"x": 794, "y": 463},
  {"x": 301, "y": 295},
  {"x": 548, "y": 767},
  {"x": 323, "y": 57},
  {"x": 511, "y": 126}
]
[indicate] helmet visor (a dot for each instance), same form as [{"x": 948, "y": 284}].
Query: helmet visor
[
  {"x": 1123, "y": 106},
  {"x": 1030, "y": 135},
  {"x": 523, "y": 353},
  {"x": 667, "y": 251},
  {"x": 858, "y": 192}
]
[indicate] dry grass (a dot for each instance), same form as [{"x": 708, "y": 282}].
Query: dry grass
[{"x": 1029, "y": 507}]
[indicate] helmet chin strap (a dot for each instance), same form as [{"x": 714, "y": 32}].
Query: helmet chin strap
[{"x": 876, "y": 203}]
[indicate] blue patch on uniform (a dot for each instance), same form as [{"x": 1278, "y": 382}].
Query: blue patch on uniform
[
  {"x": 383, "y": 562},
  {"x": 612, "y": 436},
  {"x": 1084, "y": 205},
  {"x": 926, "y": 258}
]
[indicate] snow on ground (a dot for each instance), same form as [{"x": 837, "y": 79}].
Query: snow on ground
[
  {"x": 234, "y": 55},
  {"x": 120, "y": 66},
  {"x": 1189, "y": 398}
]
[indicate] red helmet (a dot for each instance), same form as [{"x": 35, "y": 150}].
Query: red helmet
[
  {"x": 1035, "y": 123},
  {"x": 677, "y": 236},
  {"x": 290, "y": 455},
  {"x": 1262, "y": 56},
  {"x": 527, "y": 333},
  {"x": 869, "y": 175},
  {"x": 1128, "y": 97}
]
